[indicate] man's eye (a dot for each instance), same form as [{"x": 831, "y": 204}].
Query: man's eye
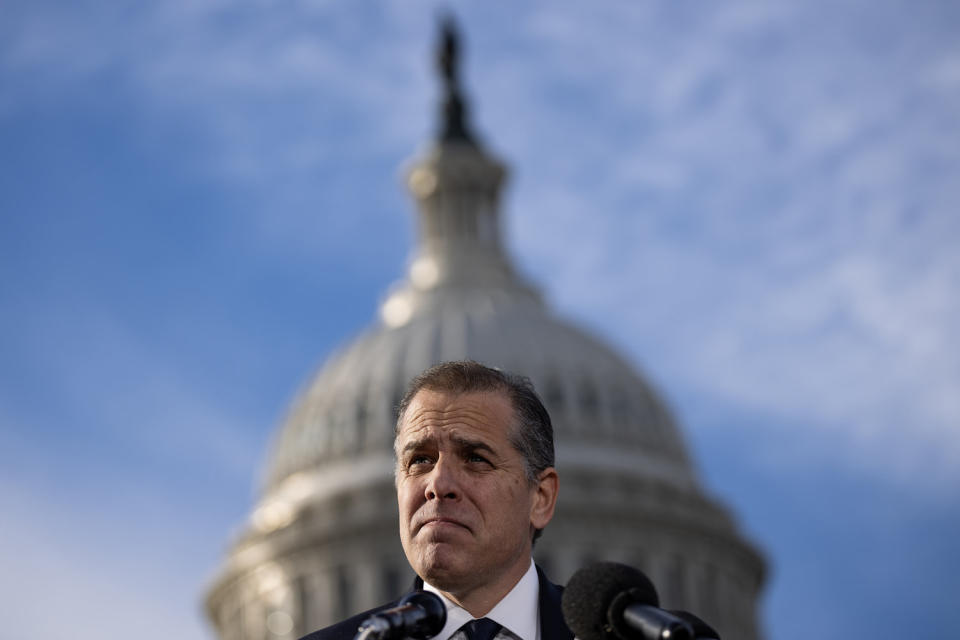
[
  {"x": 421, "y": 459},
  {"x": 476, "y": 457}
]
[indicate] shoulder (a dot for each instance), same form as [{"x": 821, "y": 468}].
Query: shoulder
[{"x": 550, "y": 593}]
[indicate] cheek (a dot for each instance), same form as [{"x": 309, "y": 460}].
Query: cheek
[
  {"x": 510, "y": 504},
  {"x": 407, "y": 499}
]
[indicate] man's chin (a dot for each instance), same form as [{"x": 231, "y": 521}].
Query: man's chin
[
  {"x": 445, "y": 579},
  {"x": 443, "y": 565}
]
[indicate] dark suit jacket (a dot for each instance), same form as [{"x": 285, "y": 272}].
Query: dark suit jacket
[{"x": 552, "y": 626}]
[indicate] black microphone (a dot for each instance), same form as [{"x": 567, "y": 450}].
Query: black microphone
[
  {"x": 701, "y": 630},
  {"x": 611, "y": 601},
  {"x": 420, "y": 615}
]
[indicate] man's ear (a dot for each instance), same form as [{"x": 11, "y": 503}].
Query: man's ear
[{"x": 544, "y": 498}]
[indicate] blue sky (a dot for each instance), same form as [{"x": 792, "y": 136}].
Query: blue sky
[{"x": 755, "y": 201}]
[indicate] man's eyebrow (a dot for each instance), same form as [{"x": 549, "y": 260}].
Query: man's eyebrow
[
  {"x": 460, "y": 442},
  {"x": 419, "y": 443},
  {"x": 468, "y": 444}
]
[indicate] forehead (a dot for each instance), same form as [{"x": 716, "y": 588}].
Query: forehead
[{"x": 483, "y": 412}]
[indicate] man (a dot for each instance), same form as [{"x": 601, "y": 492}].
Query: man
[{"x": 476, "y": 485}]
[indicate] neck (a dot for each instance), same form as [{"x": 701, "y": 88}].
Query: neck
[{"x": 479, "y": 601}]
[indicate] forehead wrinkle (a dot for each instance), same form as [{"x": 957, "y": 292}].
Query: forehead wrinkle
[
  {"x": 425, "y": 418},
  {"x": 447, "y": 416},
  {"x": 459, "y": 441}
]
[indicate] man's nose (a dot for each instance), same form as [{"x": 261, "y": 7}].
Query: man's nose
[{"x": 443, "y": 481}]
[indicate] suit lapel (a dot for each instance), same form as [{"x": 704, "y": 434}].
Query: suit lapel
[{"x": 552, "y": 626}]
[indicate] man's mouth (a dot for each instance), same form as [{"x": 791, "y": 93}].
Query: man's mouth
[{"x": 442, "y": 522}]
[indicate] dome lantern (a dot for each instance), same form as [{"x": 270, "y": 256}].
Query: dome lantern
[{"x": 456, "y": 186}]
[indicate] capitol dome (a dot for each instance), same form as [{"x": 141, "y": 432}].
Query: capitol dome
[{"x": 322, "y": 541}]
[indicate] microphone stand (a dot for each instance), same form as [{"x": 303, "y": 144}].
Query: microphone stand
[{"x": 372, "y": 629}]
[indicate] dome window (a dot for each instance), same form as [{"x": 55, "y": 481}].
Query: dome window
[
  {"x": 589, "y": 401},
  {"x": 553, "y": 395},
  {"x": 344, "y": 592},
  {"x": 361, "y": 415}
]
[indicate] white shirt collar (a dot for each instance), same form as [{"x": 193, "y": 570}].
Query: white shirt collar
[{"x": 518, "y": 611}]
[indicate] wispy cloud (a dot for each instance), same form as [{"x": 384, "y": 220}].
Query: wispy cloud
[
  {"x": 280, "y": 105},
  {"x": 776, "y": 229},
  {"x": 124, "y": 389},
  {"x": 774, "y": 188}
]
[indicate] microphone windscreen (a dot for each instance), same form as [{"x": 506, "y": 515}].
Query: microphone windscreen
[
  {"x": 591, "y": 590},
  {"x": 701, "y": 630},
  {"x": 435, "y": 614}
]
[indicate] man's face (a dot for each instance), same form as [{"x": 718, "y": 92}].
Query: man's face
[{"x": 467, "y": 509}]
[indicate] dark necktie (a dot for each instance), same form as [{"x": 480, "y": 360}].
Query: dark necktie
[{"x": 482, "y": 629}]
